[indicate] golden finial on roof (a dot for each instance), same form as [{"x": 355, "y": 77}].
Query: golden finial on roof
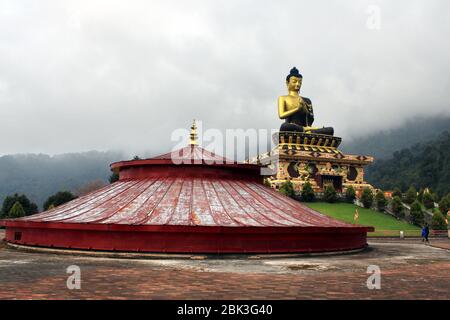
[{"x": 193, "y": 136}]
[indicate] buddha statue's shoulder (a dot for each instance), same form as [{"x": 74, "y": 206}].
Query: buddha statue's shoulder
[
  {"x": 307, "y": 101},
  {"x": 290, "y": 98},
  {"x": 283, "y": 100}
]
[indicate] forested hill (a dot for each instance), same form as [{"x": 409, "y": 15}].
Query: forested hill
[
  {"x": 39, "y": 176},
  {"x": 382, "y": 144},
  {"x": 423, "y": 165}
]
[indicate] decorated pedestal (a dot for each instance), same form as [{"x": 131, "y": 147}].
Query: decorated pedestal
[{"x": 314, "y": 158}]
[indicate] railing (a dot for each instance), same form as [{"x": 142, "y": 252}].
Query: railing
[
  {"x": 407, "y": 233},
  {"x": 439, "y": 233},
  {"x": 394, "y": 233}
]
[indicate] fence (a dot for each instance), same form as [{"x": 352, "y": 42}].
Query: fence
[{"x": 408, "y": 233}]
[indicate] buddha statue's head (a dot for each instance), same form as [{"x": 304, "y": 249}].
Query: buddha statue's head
[{"x": 294, "y": 80}]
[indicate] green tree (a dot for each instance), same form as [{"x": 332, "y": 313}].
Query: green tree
[
  {"x": 16, "y": 211},
  {"x": 428, "y": 200},
  {"x": 58, "y": 199},
  {"x": 397, "y": 193},
  {"x": 307, "y": 193},
  {"x": 417, "y": 215},
  {"x": 113, "y": 177},
  {"x": 330, "y": 194},
  {"x": 287, "y": 188},
  {"x": 380, "y": 200},
  {"x": 350, "y": 194},
  {"x": 438, "y": 221},
  {"x": 411, "y": 195},
  {"x": 28, "y": 206},
  {"x": 420, "y": 195},
  {"x": 444, "y": 204},
  {"x": 367, "y": 198},
  {"x": 397, "y": 207}
]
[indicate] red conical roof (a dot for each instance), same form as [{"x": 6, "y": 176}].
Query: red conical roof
[
  {"x": 187, "y": 201},
  {"x": 160, "y": 206}
]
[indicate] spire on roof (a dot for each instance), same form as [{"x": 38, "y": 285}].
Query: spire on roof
[{"x": 193, "y": 136}]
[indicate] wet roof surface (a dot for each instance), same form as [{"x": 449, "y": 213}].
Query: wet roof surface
[{"x": 187, "y": 201}]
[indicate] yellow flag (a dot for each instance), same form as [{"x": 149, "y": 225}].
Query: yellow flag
[{"x": 356, "y": 216}]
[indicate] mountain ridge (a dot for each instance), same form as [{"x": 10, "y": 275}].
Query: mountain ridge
[
  {"x": 382, "y": 144},
  {"x": 39, "y": 175}
]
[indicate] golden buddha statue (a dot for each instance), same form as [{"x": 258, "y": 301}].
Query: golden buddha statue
[{"x": 296, "y": 110}]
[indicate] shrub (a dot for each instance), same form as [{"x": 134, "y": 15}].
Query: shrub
[
  {"x": 397, "y": 207},
  {"x": 380, "y": 200},
  {"x": 113, "y": 177},
  {"x": 367, "y": 198},
  {"x": 411, "y": 195},
  {"x": 417, "y": 215},
  {"x": 420, "y": 195},
  {"x": 16, "y": 211},
  {"x": 58, "y": 199},
  {"x": 438, "y": 221},
  {"x": 28, "y": 206},
  {"x": 444, "y": 204},
  {"x": 350, "y": 194},
  {"x": 428, "y": 200},
  {"x": 330, "y": 194},
  {"x": 397, "y": 193},
  {"x": 307, "y": 193},
  {"x": 287, "y": 188}
]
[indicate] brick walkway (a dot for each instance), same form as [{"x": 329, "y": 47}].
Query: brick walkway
[
  {"x": 443, "y": 244},
  {"x": 409, "y": 270}
]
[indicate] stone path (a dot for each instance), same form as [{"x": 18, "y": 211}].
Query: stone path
[{"x": 409, "y": 270}]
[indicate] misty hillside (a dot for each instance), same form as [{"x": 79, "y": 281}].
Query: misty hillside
[
  {"x": 423, "y": 165},
  {"x": 39, "y": 176},
  {"x": 381, "y": 145}
]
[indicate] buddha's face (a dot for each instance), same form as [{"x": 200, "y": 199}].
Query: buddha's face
[{"x": 294, "y": 84}]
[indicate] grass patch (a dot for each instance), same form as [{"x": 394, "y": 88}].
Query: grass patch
[{"x": 384, "y": 224}]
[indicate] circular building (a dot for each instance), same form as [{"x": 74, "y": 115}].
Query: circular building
[{"x": 187, "y": 201}]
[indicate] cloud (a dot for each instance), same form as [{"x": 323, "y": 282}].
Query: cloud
[{"x": 81, "y": 75}]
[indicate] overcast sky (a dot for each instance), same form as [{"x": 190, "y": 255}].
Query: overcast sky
[{"x": 82, "y": 75}]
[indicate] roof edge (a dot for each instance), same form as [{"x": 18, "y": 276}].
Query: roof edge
[{"x": 184, "y": 162}]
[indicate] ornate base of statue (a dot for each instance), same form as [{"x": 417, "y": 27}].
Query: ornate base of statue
[{"x": 314, "y": 158}]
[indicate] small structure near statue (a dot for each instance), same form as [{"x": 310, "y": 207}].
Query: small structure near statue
[{"x": 304, "y": 153}]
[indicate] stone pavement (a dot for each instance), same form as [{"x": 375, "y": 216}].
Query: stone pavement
[
  {"x": 409, "y": 270},
  {"x": 440, "y": 243}
]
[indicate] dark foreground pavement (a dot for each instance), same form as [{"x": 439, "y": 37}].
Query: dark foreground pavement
[{"x": 409, "y": 270}]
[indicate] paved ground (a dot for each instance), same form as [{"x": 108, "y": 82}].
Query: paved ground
[{"x": 409, "y": 270}]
